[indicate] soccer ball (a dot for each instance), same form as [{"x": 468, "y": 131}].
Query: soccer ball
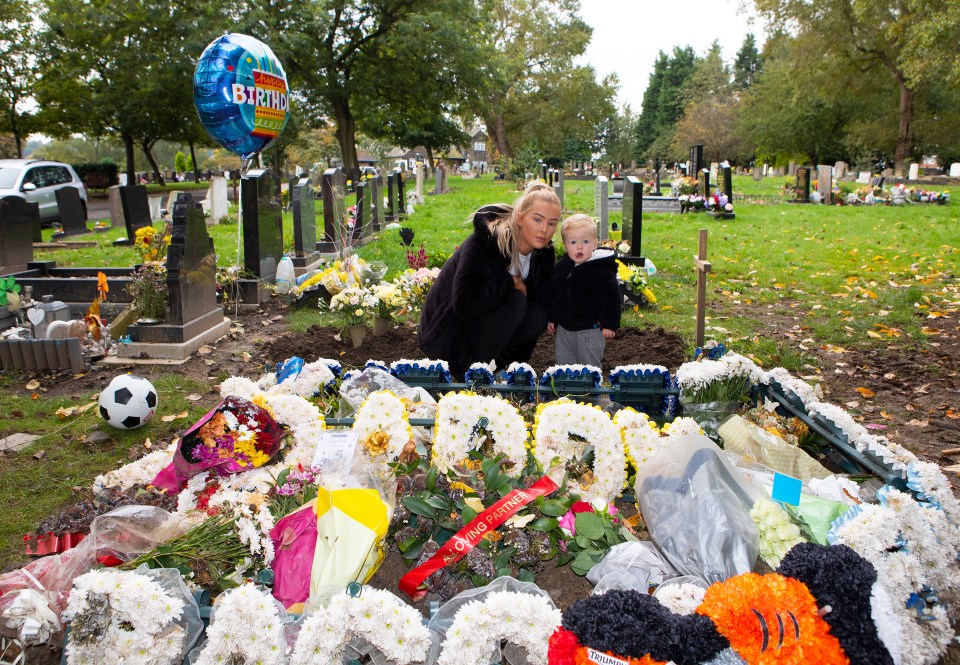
[{"x": 128, "y": 402}]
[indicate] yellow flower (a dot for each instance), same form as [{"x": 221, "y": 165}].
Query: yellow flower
[
  {"x": 358, "y": 312},
  {"x": 376, "y": 443}
]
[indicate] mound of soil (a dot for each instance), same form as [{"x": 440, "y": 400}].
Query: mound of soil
[{"x": 630, "y": 346}]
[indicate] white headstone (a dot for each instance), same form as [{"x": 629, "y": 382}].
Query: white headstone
[
  {"x": 419, "y": 187},
  {"x": 825, "y": 182},
  {"x": 955, "y": 170},
  {"x": 217, "y": 199},
  {"x": 914, "y": 172},
  {"x": 154, "y": 200},
  {"x": 714, "y": 169},
  {"x": 601, "y": 202},
  {"x": 123, "y": 179},
  {"x": 864, "y": 177}
]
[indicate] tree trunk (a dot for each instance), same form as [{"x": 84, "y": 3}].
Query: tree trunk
[
  {"x": 904, "y": 149},
  {"x": 346, "y": 137},
  {"x": 128, "y": 150},
  {"x": 497, "y": 129},
  {"x": 16, "y": 137},
  {"x": 429, "y": 160},
  {"x": 146, "y": 146},
  {"x": 193, "y": 160}
]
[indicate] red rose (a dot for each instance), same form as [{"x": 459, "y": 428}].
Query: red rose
[{"x": 581, "y": 507}]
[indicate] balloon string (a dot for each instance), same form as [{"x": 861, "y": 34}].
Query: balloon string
[{"x": 244, "y": 167}]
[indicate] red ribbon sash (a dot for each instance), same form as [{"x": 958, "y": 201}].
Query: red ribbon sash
[{"x": 468, "y": 537}]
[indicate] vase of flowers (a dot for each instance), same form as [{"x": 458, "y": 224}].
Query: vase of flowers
[
  {"x": 148, "y": 289},
  {"x": 391, "y": 302},
  {"x": 356, "y": 305},
  {"x": 711, "y": 390}
]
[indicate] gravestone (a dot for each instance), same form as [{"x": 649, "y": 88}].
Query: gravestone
[
  {"x": 304, "y": 225},
  {"x": 136, "y": 211},
  {"x": 757, "y": 173},
  {"x": 71, "y": 213},
  {"x": 616, "y": 196},
  {"x": 364, "y": 207},
  {"x": 262, "y": 223},
  {"x": 840, "y": 170},
  {"x": 194, "y": 317},
  {"x": 171, "y": 200},
  {"x": 544, "y": 172},
  {"x": 217, "y": 199},
  {"x": 601, "y": 204},
  {"x": 792, "y": 169},
  {"x": 376, "y": 204},
  {"x": 418, "y": 190},
  {"x": 333, "y": 189},
  {"x": 803, "y": 185},
  {"x": 825, "y": 183},
  {"x": 704, "y": 183},
  {"x": 955, "y": 170},
  {"x": 695, "y": 162},
  {"x": 18, "y": 221},
  {"x": 558, "y": 186},
  {"x": 402, "y": 195},
  {"x": 714, "y": 172},
  {"x": 446, "y": 180},
  {"x": 116, "y": 208},
  {"x": 863, "y": 177},
  {"x": 390, "y": 213},
  {"x": 887, "y": 173},
  {"x": 291, "y": 183},
  {"x": 656, "y": 179},
  {"x": 438, "y": 180},
  {"x": 633, "y": 218},
  {"x": 154, "y": 203},
  {"x": 914, "y": 173},
  {"x": 726, "y": 181}
]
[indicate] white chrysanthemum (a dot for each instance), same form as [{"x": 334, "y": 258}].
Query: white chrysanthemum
[
  {"x": 806, "y": 393},
  {"x": 312, "y": 379},
  {"x": 679, "y": 428},
  {"x": 526, "y": 620},
  {"x": 378, "y": 616},
  {"x": 640, "y": 435},
  {"x": 893, "y": 454},
  {"x": 246, "y": 627},
  {"x": 778, "y": 533},
  {"x": 697, "y": 375},
  {"x": 306, "y": 437},
  {"x": 932, "y": 483},
  {"x": 562, "y": 431},
  {"x": 239, "y": 386},
  {"x": 383, "y": 412},
  {"x": 140, "y": 472},
  {"x": 680, "y": 598},
  {"x": 292, "y": 410},
  {"x": 143, "y": 616},
  {"x": 457, "y": 430}
]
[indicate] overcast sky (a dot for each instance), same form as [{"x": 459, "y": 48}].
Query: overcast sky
[{"x": 627, "y": 34}]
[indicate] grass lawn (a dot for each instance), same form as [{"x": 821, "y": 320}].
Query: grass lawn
[{"x": 853, "y": 277}]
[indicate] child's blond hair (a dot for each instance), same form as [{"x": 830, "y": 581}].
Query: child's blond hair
[{"x": 578, "y": 222}]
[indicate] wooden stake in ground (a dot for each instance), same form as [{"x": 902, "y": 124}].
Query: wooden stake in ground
[{"x": 703, "y": 267}]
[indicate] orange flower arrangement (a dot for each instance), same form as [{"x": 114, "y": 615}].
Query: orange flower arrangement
[{"x": 771, "y": 619}]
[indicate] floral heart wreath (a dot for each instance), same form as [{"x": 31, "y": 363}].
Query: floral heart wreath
[{"x": 815, "y": 609}]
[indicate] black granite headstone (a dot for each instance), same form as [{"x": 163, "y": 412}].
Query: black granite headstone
[
  {"x": 136, "y": 211},
  {"x": 695, "y": 164},
  {"x": 291, "y": 183},
  {"x": 364, "y": 210},
  {"x": 262, "y": 223},
  {"x": 333, "y": 189},
  {"x": 71, "y": 213},
  {"x": 401, "y": 205},
  {"x": 803, "y": 184},
  {"x": 390, "y": 214},
  {"x": 704, "y": 183},
  {"x": 304, "y": 224},
  {"x": 633, "y": 217},
  {"x": 376, "y": 204},
  {"x": 726, "y": 182},
  {"x": 544, "y": 172},
  {"x": 191, "y": 279},
  {"x": 18, "y": 221}
]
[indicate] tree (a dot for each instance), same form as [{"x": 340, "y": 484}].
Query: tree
[
  {"x": 711, "y": 120},
  {"x": 617, "y": 137},
  {"x": 664, "y": 100},
  {"x": 18, "y": 71},
  {"x": 748, "y": 63},
  {"x": 879, "y": 37}
]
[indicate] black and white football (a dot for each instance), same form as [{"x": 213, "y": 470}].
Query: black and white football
[{"x": 128, "y": 402}]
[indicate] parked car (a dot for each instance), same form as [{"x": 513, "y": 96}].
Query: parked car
[{"x": 38, "y": 181}]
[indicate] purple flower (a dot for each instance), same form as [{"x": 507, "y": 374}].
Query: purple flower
[{"x": 286, "y": 490}]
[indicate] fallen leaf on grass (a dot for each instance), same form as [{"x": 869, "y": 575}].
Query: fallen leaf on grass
[
  {"x": 520, "y": 521},
  {"x": 917, "y": 423},
  {"x": 33, "y": 385},
  {"x": 63, "y": 413},
  {"x": 866, "y": 393},
  {"x": 174, "y": 416},
  {"x": 245, "y": 357},
  {"x": 955, "y": 468},
  {"x": 874, "y": 335},
  {"x": 884, "y": 414},
  {"x": 40, "y": 454},
  {"x": 35, "y": 396},
  {"x": 204, "y": 350},
  {"x": 952, "y": 415},
  {"x": 474, "y": 503},
  {"x": 924, "y": 389},
  {"x": 194, "y": 397}
]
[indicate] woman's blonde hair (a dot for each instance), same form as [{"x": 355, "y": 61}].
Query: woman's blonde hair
[{"x": 506, "y": 228}]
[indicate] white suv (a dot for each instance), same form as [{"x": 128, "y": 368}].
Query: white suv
[{"x": 38, "y": 182}]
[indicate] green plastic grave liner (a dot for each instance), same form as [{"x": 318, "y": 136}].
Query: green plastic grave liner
[{"x": 836, "y": 439}]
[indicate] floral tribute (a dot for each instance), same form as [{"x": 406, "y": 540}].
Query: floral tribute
[
  {"x": 246, "y": 629},
  {"x": 727, "y": 379},
  {"x": 466, "y": 420},
  {"x": 382, "y": 425},
  {"x": 563, "y": 431},
  {"x": 778, "y": 534},
  {"x": 379, "y": 617},
  {"x": 123, "y": 617},
  {"x": 523, "y": 619},
  {"x": 633, "y": 278}
]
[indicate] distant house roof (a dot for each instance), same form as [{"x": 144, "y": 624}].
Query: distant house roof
[{"x": 364, "y": 157}]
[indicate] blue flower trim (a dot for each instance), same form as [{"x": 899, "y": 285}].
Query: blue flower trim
[
  {"x": 572, "y": 372},
  {"x": 519, "y": 374},
  {"x": 712, "y": 354},
  {"x": 832, "y": 534},
  {"x": 423, "y": 367},
  {"x": 479, "y": 375},
  {"x": 377, "y": 364},
  {"x": 289, "y": 369},
  {"x": 915, "y": 485},
  {"x": 638, "y": 371}
]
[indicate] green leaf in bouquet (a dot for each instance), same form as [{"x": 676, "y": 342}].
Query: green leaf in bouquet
[
  {"x": 468, "y": 514},
  {"x": 282, "y": 476},
  {"x": 526, "y": 575},
  {"x": 544, "y": 524},
  {"x": 554, "y": 507},
  {"x": 487, "y": 466},
  {"x": 565, "y": 558},
  {"x": 432, "y": 478},
  {"x": 498, "y": 482},
  {"x": 413, "y": 547},
  {"x": 439, "y": 502},
  {"x": 582, "y": 541},
  {"x": 418, "y": 506},
  {"x": 502, "y": 559},
  {"x": 504, "y": 572},
  {"x": 589, "y": 525},
  {"x": 584, "y": 561},
  {"x": 504, "y": 490}
]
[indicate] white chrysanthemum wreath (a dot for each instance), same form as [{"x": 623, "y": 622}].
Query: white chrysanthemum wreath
[
  {"x": 246, "y": 629},
  {"x": 458, "y": 429},
  {"x": 123, "y": 617},
  {"x": 641, "y": 437},
  {"x": 564, "y": 428},
  {"x": 524, "y": 619},
  {"x": 378, "y": 616},
  {"x": 382, "y": 425}
]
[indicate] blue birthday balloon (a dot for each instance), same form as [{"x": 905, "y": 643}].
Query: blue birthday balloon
[{"x": 241, "y": 95}]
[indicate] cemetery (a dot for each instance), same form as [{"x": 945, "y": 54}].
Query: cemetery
[{"x": 221, "y": 440}]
